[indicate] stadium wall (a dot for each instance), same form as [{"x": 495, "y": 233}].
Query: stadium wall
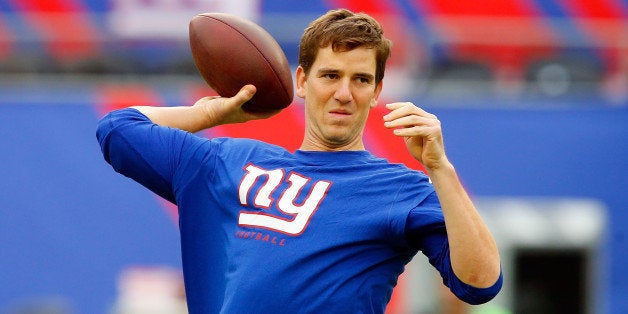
[{"x": 71, "y": 226}]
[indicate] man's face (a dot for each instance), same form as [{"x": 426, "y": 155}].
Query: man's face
[{"x": 339, "y": 91}]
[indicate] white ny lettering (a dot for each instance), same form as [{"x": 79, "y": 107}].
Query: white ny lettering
[{"x": 300, "y": 215}]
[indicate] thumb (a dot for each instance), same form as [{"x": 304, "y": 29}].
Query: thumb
[{"x": 245, "y": 94}]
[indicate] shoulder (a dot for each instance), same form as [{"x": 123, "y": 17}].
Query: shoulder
[
  {"x": 245, "y": 150},
  {"x": 410, "y": 178},
  {"x": 245, "y": 145}
]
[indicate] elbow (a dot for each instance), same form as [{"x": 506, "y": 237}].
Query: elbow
[
  {"x": 103, "y": 131},
  {"x": 108, "y": 129},
  {"x": 473, "y": 294},
  {"x": 102, "y": 135},
  {"x": 483, "y": 278},
  {"x": 101, "y": 128}
]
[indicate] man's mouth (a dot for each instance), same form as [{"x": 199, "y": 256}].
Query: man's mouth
[{"x": 340, "y": 112}]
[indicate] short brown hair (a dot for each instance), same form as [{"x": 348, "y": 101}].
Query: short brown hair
[{"x": 344, "y": 30}]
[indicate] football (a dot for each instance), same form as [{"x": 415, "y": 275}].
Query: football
[{"x": 231, "y": 51}]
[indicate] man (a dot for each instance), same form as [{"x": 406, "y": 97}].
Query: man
[{"x": 326, "y": 229}]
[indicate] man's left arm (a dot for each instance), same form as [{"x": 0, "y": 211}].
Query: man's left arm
[{"x": 473, "y": 251}]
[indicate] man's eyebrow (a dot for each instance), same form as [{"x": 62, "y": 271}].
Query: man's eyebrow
[
  {"x": 328, "y": 70},
  {"x": 365, "y": 75}
]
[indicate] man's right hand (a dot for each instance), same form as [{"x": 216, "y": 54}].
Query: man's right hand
[{"x": 221, "y": 110}]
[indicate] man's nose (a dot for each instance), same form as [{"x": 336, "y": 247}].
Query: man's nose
[{"x": 343, "y": 92}]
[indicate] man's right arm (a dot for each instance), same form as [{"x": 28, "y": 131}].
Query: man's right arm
[
  {"x": 150, "y": 155},
  {"x": 206, "y": 113}
]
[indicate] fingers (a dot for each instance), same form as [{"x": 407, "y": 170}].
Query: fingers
[
  {"x": 226, "y": 110},
  {"x": 409, "y": 120},
  {"x": 400, "y": 109}
]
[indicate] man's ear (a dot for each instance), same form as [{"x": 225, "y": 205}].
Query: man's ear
[
  {"x": 378, "y": 90},
  {"x": 301, "y": 81}
]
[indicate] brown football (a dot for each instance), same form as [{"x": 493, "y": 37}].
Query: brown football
[{"x": 231, "y": 51}]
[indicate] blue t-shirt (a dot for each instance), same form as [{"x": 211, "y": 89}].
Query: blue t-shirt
[{"x": 264, "y": 230}]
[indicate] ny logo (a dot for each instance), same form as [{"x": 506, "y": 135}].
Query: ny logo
[{"x": 299, "y": 215}]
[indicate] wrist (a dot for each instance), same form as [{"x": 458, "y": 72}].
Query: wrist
[
  {"x": 442, "y": 165},
  {"x": 206, "y": 112}
]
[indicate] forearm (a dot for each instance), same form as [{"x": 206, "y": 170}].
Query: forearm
[
  {"x": 473, "y": 252},
  {"x": 187, "y": 118}
]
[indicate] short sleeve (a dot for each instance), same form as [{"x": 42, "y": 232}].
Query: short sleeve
[{"x": 425, "y": 231}]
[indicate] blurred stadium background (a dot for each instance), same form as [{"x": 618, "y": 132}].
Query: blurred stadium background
[{"x": 533, "y": 96}]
